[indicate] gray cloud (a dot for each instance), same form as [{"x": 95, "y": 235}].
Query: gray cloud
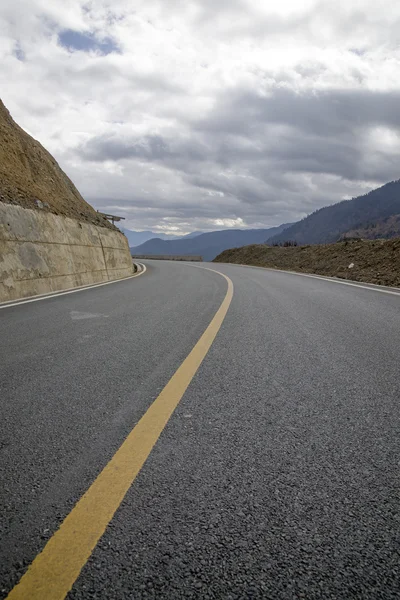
[
  {"x": 262, "y": 138},
  {"x": 106, "y": 147},
  {"x": 325, "y": 112},
  {"x": 191, "y": 115}
]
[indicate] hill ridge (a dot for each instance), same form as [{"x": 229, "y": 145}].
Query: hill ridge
[
  {"x": 329, "y": 223},
  {"x": 209, "y": 244}
]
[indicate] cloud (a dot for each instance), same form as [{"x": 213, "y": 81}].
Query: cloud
[
  {"x": 200, "y": 115},
  {"x": 110, "y": 147},
  {"x": 321, "y": 112}
]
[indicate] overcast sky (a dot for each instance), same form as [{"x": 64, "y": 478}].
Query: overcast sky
[{"x": 211, "y": 113}]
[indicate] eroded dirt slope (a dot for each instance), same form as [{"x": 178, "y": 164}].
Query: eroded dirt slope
[
  {"x": 376, "y": 261},
  {"x": 32, "y": 178}
]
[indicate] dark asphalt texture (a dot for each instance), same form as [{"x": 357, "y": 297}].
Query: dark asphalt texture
[{"x": 276, "y": 477}]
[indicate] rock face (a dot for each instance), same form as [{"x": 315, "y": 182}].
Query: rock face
[
  {"x": 50, "y": 238},
  {"x": 32, "y": 178}
]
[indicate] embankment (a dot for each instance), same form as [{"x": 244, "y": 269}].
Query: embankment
[
  {"x": 41, "y": 252},
  {"x": 32, "y": 178},
  {"x": 376, "y": 261}
]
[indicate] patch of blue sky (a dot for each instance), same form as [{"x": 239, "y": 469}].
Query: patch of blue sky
[
  {"x": 18, "y": 52},
  {"x": 85, "y": 42}
]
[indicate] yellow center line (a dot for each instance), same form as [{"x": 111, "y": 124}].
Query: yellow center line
[{"x": 54, "y": 571}]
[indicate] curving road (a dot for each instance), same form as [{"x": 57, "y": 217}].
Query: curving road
[{"x": 277, "y": 476}]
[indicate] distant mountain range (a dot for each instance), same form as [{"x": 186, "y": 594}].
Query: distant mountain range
[
  {"x": 373, "y": 215},
  {"x": 329, "y": 224},
  {"x": 139, "y": 237},
  {"x": 208, "y": 245}
]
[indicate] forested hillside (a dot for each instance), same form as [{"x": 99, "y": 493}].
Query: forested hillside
[
  {"x": 384, "y": 228},
  {"x": 330, "y": 223}
]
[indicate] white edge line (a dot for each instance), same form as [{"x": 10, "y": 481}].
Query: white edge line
[
  {"x": 373, "y": 287},
  {"x": 71, "y": 290}
]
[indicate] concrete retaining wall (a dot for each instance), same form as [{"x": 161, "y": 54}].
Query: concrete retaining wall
[{"x": 41, "y": 252}]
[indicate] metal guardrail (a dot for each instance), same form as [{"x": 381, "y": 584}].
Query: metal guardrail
[{"x": 111, "y": 218}]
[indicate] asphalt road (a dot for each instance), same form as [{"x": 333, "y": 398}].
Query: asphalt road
[{"x": 276, "y": 477}]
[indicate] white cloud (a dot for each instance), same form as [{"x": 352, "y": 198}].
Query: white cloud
[{"x": 208, "y": 113}]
